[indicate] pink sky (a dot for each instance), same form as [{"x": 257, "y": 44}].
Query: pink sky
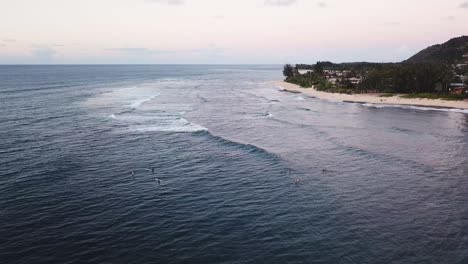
[{"x": 223, "y": 31}]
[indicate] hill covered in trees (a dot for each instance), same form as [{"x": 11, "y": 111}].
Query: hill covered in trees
[{"x": 450, "y": 52}]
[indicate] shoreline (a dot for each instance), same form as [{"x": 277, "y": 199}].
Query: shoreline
[{"x": 372, "y": 98}]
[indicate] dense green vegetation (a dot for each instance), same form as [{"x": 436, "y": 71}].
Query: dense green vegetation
[
  {"x": 408, "y": 78},
  {"x": 288, "y": 70},
  {"x": 436, "y": 72},
  {"x": 387, "y": 95},
  {"x": 450, "y": 97},
  {"x": 404, "y": 78},
  {"x": 304, "y": 80}
]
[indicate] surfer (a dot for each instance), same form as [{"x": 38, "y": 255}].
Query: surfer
[
  {"x": 133, "y": 173},
  {"x": 152, "y": 170},
  {"x": 159, "y": 182},
  {"x": 297, "y": 181}
]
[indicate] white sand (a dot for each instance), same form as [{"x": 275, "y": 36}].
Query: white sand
[{"x": 372, "y": 98}]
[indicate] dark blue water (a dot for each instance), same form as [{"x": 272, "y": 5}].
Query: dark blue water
[{"x": 377, "y": 185}]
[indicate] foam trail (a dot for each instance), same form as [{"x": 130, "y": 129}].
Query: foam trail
[
  {"x": 415, "y": 107},
  {"x": 179, "y": 125},
  {"x": 139, "y": 102}
]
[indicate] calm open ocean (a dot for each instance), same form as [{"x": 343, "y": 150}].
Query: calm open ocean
[{"x": 377, "y": 184}]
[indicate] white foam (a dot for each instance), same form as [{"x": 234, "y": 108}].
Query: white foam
[
  {"x": 139, "y": 102},
  {"x": 421, "y": 108},
  {"x": 133, "y": 110},
  {"x": 180, "y": 125}
]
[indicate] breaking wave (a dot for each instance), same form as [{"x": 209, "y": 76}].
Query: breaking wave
[
  {"x": 241, "y": 146},
  {"x": 416, "y": 107},
  {"x": 180, "y": 125}
]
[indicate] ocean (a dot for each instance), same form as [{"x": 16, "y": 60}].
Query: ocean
[{"x": 247, "y": 173}]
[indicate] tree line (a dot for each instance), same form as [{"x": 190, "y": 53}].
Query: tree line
[{"x": 375, "y": 77}]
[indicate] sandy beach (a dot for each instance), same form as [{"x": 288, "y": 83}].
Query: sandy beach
[{"x": 371, "y": 98}]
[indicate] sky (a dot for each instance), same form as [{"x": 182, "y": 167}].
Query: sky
[{"x": 223, "y": 31}]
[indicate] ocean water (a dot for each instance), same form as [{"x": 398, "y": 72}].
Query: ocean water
[{"x": 376, "y": 184}]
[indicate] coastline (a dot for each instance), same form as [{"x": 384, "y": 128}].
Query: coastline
[{"x": 372, "y": 98}]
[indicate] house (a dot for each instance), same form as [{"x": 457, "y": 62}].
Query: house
[
  {"x": 459, "y": 91},
  {"x": 354, "y": 80},
  {"x": 457, "y": 85},
  {"x": 304, "y": 71},
  {"x": 458, "y": 88}
]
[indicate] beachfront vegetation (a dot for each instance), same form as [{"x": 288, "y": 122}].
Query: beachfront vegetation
[
  {"x": 440, "y": 71},
  {"x": 390, "y": 78},
  {"x": 408, "y": 78},
  {"x": 387, "y": 95},
  {"x": 450, "y": 97},
  {"x": 288, "y": 70}
]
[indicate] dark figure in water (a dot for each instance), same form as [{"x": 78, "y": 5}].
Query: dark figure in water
[
  {"x": 297, "y": 181},
  {"x": 133, "y": 173},
  {"x": 159, "y": 181},
  {"x": 152, "y": 170}
]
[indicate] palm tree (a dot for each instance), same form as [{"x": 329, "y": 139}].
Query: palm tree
[{"x": 288, "y": 71}]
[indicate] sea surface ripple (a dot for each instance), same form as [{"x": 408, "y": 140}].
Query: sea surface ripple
[{"x": 375, "y": 185}]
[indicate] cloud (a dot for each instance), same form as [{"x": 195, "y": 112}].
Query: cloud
[
  {"x": 139, "y": 51},
  {"x": 167, "y": 2},
  {"x": 218, "y": 17},
  {"x": 449, "y": 18},
  {"x": 43, "y": 53},
  {"x": 464, "y": 5},
  {"x": 136, "y": 51},
  {"x": 280, "y": 2},
  {"x": 322, "y": 4}
]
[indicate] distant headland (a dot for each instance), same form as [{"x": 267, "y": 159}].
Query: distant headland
[{"x": 437, "y": 72}]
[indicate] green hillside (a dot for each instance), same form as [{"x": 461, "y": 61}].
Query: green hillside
[{"x": 451, "y": 52}]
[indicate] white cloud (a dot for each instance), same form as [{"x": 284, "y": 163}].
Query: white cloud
[
  {"x": 280, "y": 2},
  {"x": 43, "y": 53},
  {"x": 322, "y": 4},
  {"x": 168, "y": 2}
]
